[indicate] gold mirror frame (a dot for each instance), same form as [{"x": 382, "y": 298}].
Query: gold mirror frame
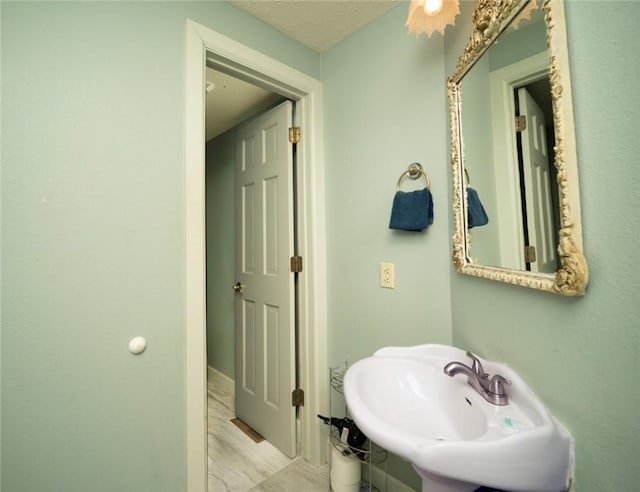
[{"x": 490, "y": 18}]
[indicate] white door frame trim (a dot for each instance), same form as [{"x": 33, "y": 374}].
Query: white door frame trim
[{"x": 206, "y": 46}]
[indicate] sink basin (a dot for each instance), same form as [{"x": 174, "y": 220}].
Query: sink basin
[{"x": 455, "y": 439}]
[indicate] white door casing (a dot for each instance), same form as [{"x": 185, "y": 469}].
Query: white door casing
[
  {"x": 537, "y": 196},
  {"x": 204, "y": 46},
  {"x": 264, "y": 305}
]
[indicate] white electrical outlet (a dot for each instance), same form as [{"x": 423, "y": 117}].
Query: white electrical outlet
[{"x": 387, "y": 276}]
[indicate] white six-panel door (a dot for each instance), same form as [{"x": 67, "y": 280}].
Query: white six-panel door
[
  {"x": 538, "y": 198},
  {"x": 264, "y": 307}
]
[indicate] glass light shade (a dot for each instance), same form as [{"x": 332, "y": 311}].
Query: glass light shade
[
  {"x": 432, "y": 7},
  {"x": 418, "y": 21}
]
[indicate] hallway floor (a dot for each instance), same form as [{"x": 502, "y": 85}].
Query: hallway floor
[{"x": 237, "y": 464}]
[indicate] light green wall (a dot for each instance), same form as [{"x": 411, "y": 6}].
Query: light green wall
[
  {"x": 384, "y": 109},
  {"x": 581, "y": 355},
  {"x": 93, "y": 238},
  {"x": 220, "y": 198}
]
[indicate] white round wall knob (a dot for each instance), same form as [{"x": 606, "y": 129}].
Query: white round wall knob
[{"x": 137, "y": 345}]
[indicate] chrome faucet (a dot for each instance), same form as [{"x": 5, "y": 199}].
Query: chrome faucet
[{"x": 492, "y": 390}]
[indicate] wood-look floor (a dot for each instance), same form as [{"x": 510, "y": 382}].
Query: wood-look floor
[{"x": 237, "y": 464}]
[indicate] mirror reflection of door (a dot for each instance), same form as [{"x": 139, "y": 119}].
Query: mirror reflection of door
[
  {"x": 535, "y": 138},
  {"x": 515, "y": 220}
]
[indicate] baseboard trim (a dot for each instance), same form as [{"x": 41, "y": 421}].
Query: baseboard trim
[{"x": 220, "y": 380}]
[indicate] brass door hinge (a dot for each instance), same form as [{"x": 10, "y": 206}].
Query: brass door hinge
[
  {"x": 296, "y": 264},
  {"x": 297, "y": 398},
  {"x": 294, "y": 134},
  {"x": 529, "y": 254},
  {"x": 521, "y": 123}
]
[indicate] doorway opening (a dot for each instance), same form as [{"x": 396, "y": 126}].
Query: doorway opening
[
  {"x": 208, "y": 48},
  {"x": 251, "y": 237}
]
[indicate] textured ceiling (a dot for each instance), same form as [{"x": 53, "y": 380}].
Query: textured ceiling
[{"x": 318, "y": 24}]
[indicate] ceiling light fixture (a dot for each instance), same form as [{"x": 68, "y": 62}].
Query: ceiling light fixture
[{"x": 429, "y": 16}]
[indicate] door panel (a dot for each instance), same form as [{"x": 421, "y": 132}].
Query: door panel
[
  {"x": 265, "y": 340},
  {"x": 248, "y": 346},
  {"x": 248, "y": 228}
]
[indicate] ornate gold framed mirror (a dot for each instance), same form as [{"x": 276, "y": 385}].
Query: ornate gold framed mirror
[{"x": 513, "y": 135}]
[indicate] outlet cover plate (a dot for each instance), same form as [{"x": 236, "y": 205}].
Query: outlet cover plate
[{"x": 387, "y": 275}]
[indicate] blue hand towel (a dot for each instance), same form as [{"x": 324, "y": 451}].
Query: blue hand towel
[
  {"x": 412, "y": 211},
  {"x": 476, "y": 215}
]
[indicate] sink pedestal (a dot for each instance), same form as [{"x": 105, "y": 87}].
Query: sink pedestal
[{"x": 434, "y": 483}]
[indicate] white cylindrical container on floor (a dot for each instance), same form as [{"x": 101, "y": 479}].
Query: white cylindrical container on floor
[{"x": 345, "y": 472}]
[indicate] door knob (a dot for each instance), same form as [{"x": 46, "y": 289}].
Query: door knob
[{"x": 237, "y": 288}]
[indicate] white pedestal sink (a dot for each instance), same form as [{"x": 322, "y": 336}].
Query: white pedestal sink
[{"x": 456, "y": 440}]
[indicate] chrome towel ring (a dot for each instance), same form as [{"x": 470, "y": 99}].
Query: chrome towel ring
[{"x": 414, "y": 171}]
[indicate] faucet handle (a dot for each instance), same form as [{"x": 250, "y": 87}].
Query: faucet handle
[
  {"x": 477, "y": 366},
  {"x": 496, "y": 385}
]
